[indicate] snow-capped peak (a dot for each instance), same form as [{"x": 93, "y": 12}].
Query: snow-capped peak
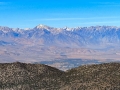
[
  {"x": 41, "y": 26},
  {"x": 27, "y": 28}
]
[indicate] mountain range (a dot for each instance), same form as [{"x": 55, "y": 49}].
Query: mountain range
[
  {"x": 64, "y": 37},
  {"x": 44, "y": 43}
]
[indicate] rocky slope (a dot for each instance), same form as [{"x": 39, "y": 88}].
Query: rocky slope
[
  {"x": 93, "y": 77},
  {"x": 22, "y": 76}
]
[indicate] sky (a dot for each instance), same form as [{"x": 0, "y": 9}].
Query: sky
[{"x": 59, "y": 13}]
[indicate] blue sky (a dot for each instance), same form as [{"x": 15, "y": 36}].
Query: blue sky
[{"x": 59, "y": 13}]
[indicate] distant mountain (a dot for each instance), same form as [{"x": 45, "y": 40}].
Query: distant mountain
[
  {"x": 25, "y": 76},
  {"x": 69, "y": 37},
  {"x": 45, "y": 43}
]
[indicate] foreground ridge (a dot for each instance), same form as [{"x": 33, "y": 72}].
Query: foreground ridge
[{"x": 26, "y": 76}]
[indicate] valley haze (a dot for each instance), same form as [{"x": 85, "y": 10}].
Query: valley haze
[{"x": 63, "y": 48}]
